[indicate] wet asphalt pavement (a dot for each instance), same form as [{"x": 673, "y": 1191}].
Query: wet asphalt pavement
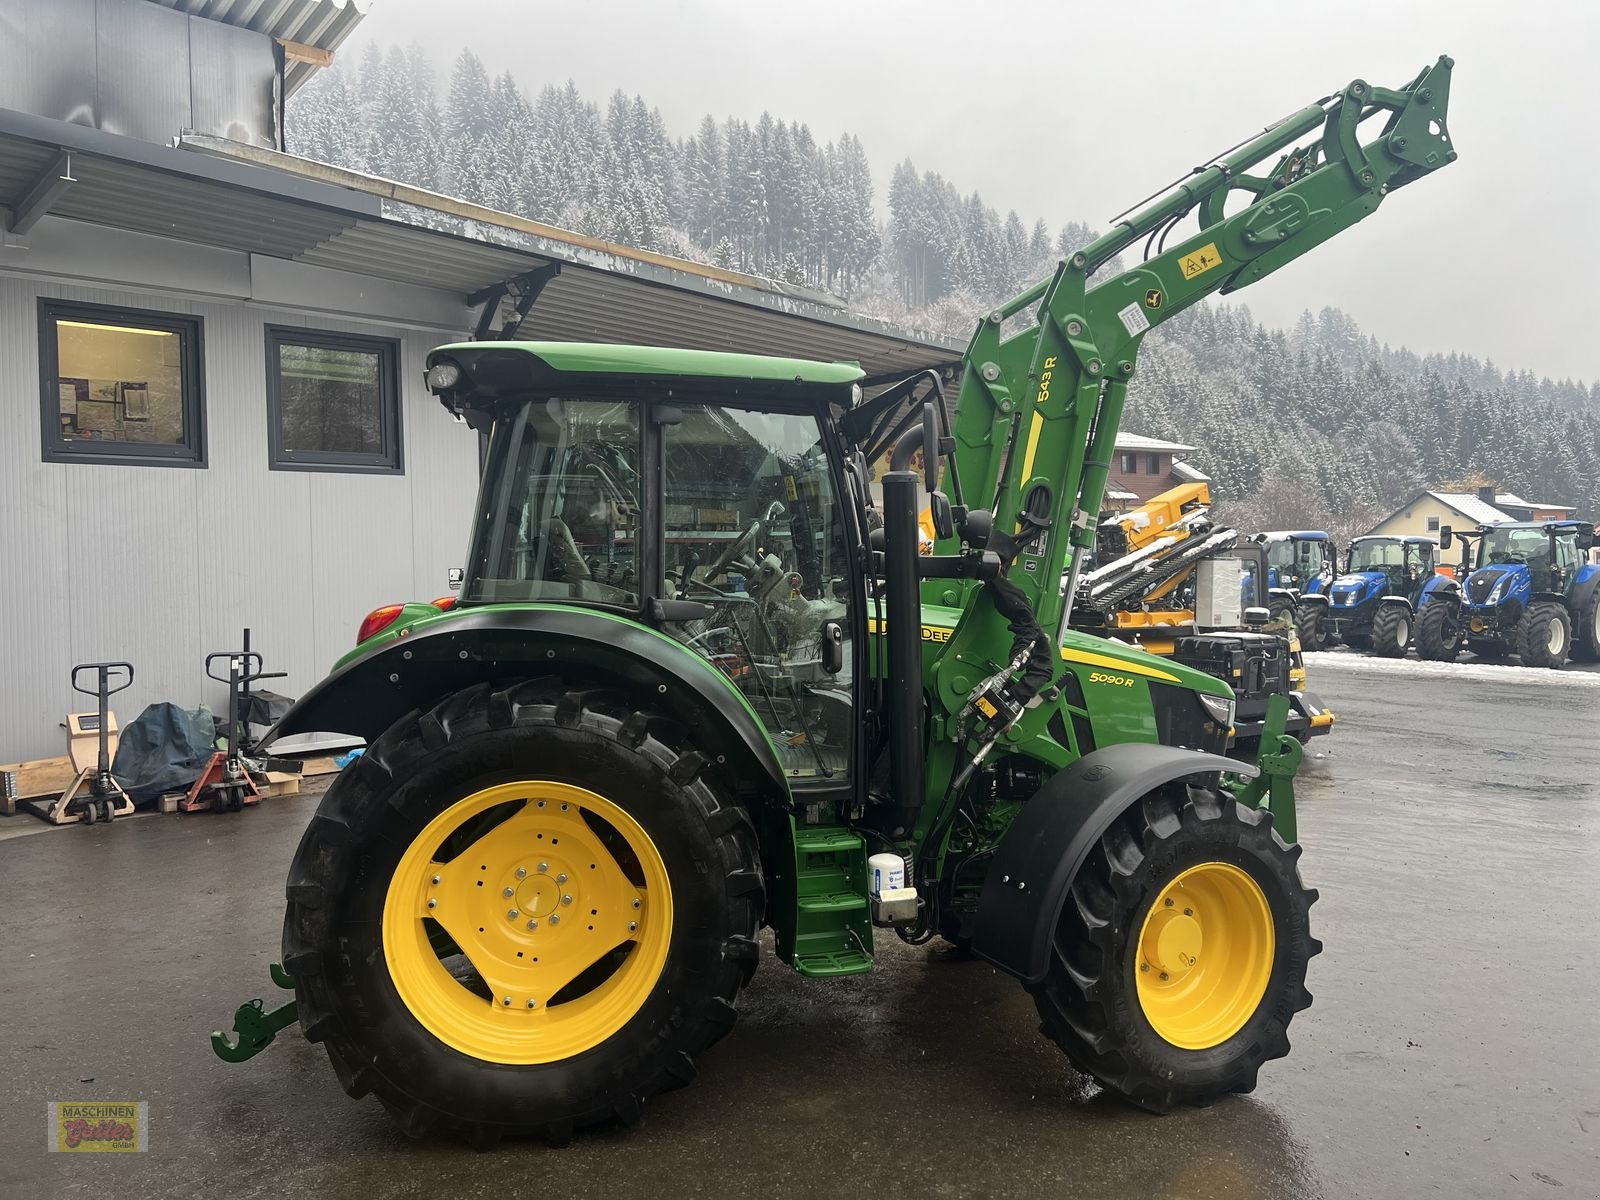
[{"x": 1453, "y": 1049}]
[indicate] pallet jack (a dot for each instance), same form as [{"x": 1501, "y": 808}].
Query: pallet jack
[
  {"x": 94, "y": 794},
  {"x": 225, "y": 784}
]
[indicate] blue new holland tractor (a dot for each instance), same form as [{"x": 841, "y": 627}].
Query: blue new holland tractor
[
  {"x": 1531, "y": 595},
  {"x": 1300, "y": 566},
  {"x": 1386, "y": 582}
]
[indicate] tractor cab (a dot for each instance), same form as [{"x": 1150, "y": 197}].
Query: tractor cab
[
  {"x": 1300, "y": 561},
  {"x": 702, "y": 494}
]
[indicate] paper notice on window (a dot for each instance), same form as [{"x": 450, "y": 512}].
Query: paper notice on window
[{"x": 1134, "y": 320}]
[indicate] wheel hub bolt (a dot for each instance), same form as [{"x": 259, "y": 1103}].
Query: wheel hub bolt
[
  {"x": 509, "y": 892},
  {"x": 435, "y": 879},
  {"x": 522, "y": 872},
  {"x": 636, "y": 904},
  {"x": 433, "y": 904},
  {"x": 506, "y": 1000},
  {"x": 561, "y": 878},
  {"x": 543, "y": 867},
  {"x": 513, "y": 914},
  {"x": 566, "y": 899},
  {"x": 1163, "y": 977},
  {"x": 633, "y": 926},
  {"x": 1188, "y": 912},
  {"x": 533, "y": 1004},
  {"x": 555, "y": 918},
  {"x": 1144, "y": 966},
  {"x": 532, "y": 924},
  {"x": 1169, "y": 901}
]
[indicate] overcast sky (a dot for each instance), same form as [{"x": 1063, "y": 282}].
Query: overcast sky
[{"x": 1066, "y": 110}]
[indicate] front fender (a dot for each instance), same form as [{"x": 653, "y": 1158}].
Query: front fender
[
  {"x": 1043, "y": 850},
  {"x": 501, "y": 644}
]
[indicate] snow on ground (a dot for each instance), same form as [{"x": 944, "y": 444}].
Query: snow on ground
[{"x": 1572, "y": 675}]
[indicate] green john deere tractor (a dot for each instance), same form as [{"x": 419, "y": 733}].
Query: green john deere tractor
[{"x": 699, "y": 680}]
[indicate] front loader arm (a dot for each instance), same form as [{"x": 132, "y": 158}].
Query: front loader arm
[{"x": 1038, "y": 412}]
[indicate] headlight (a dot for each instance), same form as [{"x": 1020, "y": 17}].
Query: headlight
[
  {"x": 1221, "y": 709},
  {"x": 1496, "y": 591},
  {"x": 443, "y": 376}
]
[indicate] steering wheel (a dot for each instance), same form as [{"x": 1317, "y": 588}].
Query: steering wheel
[{"x": 736, "y": 548}]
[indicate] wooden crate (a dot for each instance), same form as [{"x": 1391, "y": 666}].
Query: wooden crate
[{"x": 36, "y": 778}]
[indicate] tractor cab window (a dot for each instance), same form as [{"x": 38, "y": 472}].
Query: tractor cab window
[
  {"x": 558, "y": 514},
  {"x": 754, "y": 529},
  {"x": 1503, "y": 545},
  {"x": 1297, "y": 560},
  {"x": 1568, "y": 557}
]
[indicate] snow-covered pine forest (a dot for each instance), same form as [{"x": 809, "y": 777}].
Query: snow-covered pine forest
[{"x": 1319, "y": 426}]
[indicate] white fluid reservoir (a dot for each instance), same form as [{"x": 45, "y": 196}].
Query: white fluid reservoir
[{"x": 885, "y": 873}]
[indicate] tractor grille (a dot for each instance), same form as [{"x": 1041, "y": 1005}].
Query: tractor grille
[
  {"x": 1181, "y": 720},
  {"x": 1481, "y": 583}
]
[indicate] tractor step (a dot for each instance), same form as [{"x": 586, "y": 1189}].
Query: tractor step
[{"x": 833, "y": 927}]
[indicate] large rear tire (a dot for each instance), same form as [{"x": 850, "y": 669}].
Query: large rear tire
[
  {"x": 1180, "y": 954},
  {"x": 1544, "y": 637},
  {"x": 636, "y": 892},
  {"x": 1586, "y": 642},
  {"x": 1439, "y": 631},
  {"x": 1391, "y": 631}
]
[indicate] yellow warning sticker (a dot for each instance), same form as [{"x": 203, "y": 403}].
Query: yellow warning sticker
[
  {"x": 1198, "y": 262},
  {"x": 986, "y": 706}
]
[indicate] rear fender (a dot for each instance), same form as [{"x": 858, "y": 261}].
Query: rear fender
[
  {"x": 501, "y": 645},
  {"x": 1045, "y": 847}
]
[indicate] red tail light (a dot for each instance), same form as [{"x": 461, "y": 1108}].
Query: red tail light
[
  {"x": 378, "y": 620},
  {"x": 444, "y": 603}
]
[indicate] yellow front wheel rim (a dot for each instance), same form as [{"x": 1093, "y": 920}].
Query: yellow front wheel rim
[
  {"x": 549, "y": 892},
  {"x": 1205, "y": 955}
]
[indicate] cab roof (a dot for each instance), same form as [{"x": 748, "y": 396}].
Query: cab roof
[
  {"x": 604, "y": 358},
  {"x": 1406, "y": 539}
]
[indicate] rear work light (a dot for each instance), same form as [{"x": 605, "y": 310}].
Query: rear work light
[{"x": 378, "y": 620}]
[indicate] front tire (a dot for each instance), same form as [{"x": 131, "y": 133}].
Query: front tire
[
  {"x": 1308, "y": 624},
  {"x": 1391, "y": 631},
  {"x": 1544, "y": 638},
  {"x": 471, "y": 1012},
  {"x": 1192, "y": 884},
  {"x": 1439, "y": 631}
]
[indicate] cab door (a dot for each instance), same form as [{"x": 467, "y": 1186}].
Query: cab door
[{"x": 754, "y": 527}]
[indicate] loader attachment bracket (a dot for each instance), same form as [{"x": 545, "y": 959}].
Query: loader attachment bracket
[
  {"x": 1277, "y": 759},
  {"x": 256, "y": 1024}
]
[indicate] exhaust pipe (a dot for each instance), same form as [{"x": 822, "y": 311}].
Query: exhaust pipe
[{"x": 904, "y": 637}]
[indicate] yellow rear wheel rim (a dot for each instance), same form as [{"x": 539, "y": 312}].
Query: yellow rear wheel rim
[
  {"x": 1205, "y": 955},
  {"x": 565, "y": 899}
]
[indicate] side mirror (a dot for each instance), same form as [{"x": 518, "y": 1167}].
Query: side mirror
[
  {"x": 1445, "y": 537},
  {"x": 832, "y": 647},
  {"x": 944, "y": 525},
  {"x": 1586, "y": 539},
  {"x": 455, "y": 577},
  {"x": 1256, "y": 617},
  {"x": 930, "y": 452}
]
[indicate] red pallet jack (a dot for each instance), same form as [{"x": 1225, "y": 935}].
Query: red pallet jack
[
  {"x": 94, "y": 794},
  {"x": 225, "y": 784}
]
